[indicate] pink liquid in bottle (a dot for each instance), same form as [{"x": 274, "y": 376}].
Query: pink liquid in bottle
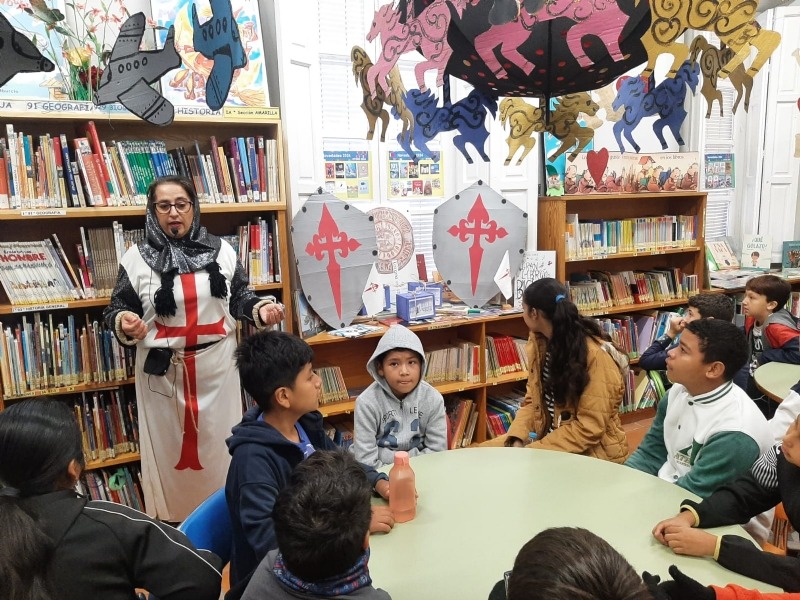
[{"x": 402, "y": 489}]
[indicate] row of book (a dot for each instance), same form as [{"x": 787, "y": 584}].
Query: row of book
[
  {"x": 109, "y": 423},
  {"x": 122, "y": 485},
  {"x": 501, "y": 410},
  {"x": 258, "y": 247},
  {"x": 340, "y": 431},
  {"x": 46, "y": 353},
  {"x": 41, "y": 172},
  {"x": 504, "y": 355},
  {"x": 598, "y": 290},
  {"x": 461, "y": 416},
  {"x": 646, "y": 389},
  {"x": 459, "y": 362},
  {"x": 601, "y": 238}
]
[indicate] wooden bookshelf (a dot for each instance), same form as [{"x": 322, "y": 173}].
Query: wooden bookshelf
[{"x": 120, "y": 459}]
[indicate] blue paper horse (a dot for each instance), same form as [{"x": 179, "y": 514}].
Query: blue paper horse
[
  {"x": 467, "y": 116},
  {"x": 642, "y": 98}
]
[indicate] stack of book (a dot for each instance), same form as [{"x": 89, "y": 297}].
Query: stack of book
[
  {"x": 122, "y": 485},
  {"x": 458, "y": 362},
  {"x": 505, "y": 355},
  {"x": 599, "y": 290},
  {"x": 108, "y": 424},
  {"x": 500, "y": 412},
  {"x": 333, "y": 386},
  {"x": 462, "y": 416}
]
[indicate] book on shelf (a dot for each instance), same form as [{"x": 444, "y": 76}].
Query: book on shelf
[
  {"x": 756, "y": 252},
  {"x": 720, "y": 256},
  {"x": 457, "y": 419},
  {"x": 790, "y": 258},
  {"x": 309, "y": 322}
]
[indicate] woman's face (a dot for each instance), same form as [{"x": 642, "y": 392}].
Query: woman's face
[{"x": 175, "y": 224}]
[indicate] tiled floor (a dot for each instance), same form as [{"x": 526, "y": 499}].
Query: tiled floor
[{"x": 636, "y": 431}]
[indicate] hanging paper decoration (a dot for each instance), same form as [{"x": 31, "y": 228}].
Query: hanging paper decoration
[
  {"x": 373, "y": 105},
  {"x": 642, "y": 99},
  {"x": 605, "y": 100},
  {"x": 130, "y": 71},
  {"x": 334, "y": 245},
  {"x": 474, "y": 231},
  {"x": 466, "y": 116},
  {"x": 218, "y": 39},
  {"x": 18, "y": 54},
  {"x": 711, "y": 61},
  {"x": 732, "y": 22},
  {"x": 524, "y": 120},
  {"x": 564, "y": 123}
]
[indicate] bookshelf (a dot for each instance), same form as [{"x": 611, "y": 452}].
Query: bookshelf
[{"x": 192, "y": 129}]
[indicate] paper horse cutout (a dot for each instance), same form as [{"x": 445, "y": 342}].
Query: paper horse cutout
[
  {"x": 334, "y": 246},
  {"x": 373, "y": 105},
  {"x": 18, "y": 54},
  {"x": 524, "y": 121},
  {"x": 606, "y": 95},
  {"x": 218, "y": 39},
  {"x": 467, "y": 116},
  {"x": 472, "y": 232},
  {"x": 711, "y": 61},
  {"x": 733, "y": 22},
  {"x": 642, "y": 99},
  {"x": 130, "y": 71},
  {"x": 426, "y": 33}
]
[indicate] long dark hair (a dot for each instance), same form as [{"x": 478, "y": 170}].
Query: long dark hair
[
  {"x": 39, "y": 438},
  {"x": 567, "y": 345}
]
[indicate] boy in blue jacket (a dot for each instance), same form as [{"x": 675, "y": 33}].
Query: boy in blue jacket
[{"x": 275, "y": 368}]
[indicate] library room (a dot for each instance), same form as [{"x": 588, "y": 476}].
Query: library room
[{"x": 411, "y": 299}]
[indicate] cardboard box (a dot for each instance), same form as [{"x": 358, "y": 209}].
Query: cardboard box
[
  {"x": 434, "y": 288},
  {"x": 414, "y": 306}
]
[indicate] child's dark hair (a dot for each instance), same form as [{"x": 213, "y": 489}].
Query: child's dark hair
[
  {"x": 571, "y": 563},
  {"x": 773, "y": 287},
  {"x": 322, "y": 517},
  {"x": 721, "y": 341},
  {"x": 39, "y": 439},
  {"x": 381, "y": 357},
  {"x": 712, "y": 306},
  {"x": 567, "y": 346},
  {"x": 268, "y": 360}
]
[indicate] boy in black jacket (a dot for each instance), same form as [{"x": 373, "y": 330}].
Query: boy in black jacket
[{"x": 285, "y": 428}]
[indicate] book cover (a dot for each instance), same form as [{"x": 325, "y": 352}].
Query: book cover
[
  {"x": 790, "y": 258},
  {"x": 756, "y": 252},
  {"x": 308, "y": 322},
  {"x": 720, "y": 256},
  {"x": 536, "y": 264},
  {"x": 88, "y": 169}
]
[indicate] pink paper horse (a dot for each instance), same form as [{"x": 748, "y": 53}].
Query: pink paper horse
[
  {"x": 427, "y": 32},
  {"x": 602, "y": 18}
]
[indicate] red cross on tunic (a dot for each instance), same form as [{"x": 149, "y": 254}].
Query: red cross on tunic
[{"x": 189, "y": 452}]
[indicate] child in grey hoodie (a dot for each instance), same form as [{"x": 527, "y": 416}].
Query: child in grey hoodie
[{"x": 399, "y": 411}]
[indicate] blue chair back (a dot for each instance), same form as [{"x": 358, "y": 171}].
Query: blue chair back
[{"x": 209, "y": 526}]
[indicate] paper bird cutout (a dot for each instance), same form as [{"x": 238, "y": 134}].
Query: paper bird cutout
[
  {"x": 711, "y": 61},
  {"x": 218, "y": 39},
  {"x": 466, "y": 116},
  {"x": 129, "y": 72},
  {"x": 642, "y": 99},
  {"x": 18, "y": 54},
  {"x": 373, "y": 105},
  {"x": 732, "y": 22}
]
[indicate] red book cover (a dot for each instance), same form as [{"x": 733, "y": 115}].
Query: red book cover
[
  {"x": 88, "y": 167},
  {"x": 4, "y": 195},
  {"x": 97, "y": 151},
  {"x": 255, "y": 254},
  {"x": 422, "y": 269}
]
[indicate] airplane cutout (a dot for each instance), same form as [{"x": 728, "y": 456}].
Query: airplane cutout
[
  {"x": 129, "y": 72},
  {"x": 218, "y": 39},
  {"x": 18, "y": 54}
]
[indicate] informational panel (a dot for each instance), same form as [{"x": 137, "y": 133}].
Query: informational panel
[
  {"x": 415, "y": 179},
  {"x": 719, "y": 174},
  {"x": 348, "y": 169}
]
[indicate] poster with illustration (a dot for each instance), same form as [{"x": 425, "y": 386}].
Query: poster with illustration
[
  {"x": 756, "y": 252},
  {"x": 618, "y": 173},
  {"x": 187, "y": 86},
  {"x": 407, "y": 178},
  {"x": 348, "y": 169},
  {"x": 719, "y": 173}
]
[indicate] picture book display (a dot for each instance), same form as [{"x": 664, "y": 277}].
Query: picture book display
[
  {"x": 756, "y": 252},
  {"x": 720, "y": 255}
]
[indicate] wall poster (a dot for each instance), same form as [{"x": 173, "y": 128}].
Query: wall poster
[
  {"x": 348, "y": 169},
  {"x": 415, "y": 179}
]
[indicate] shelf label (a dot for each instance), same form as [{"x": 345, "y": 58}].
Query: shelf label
[
  {"x": 197, "y": 111},
  {"x": 251, "y": 113},
  {"x": 44, "y": 212},
  {"x": 37, "y": 307}
]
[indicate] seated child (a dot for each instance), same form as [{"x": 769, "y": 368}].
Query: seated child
[
  {"x": 772, "y": 332},
  {"x": 774, "y": 478},
  {"x": 707, "y": 431},
  {"x": 57, "y": 544},
  {"x": 272, "y": 439},
  {"x": 788, "y": 410},
  {"x": 322, "y": 527},
  {"x": 701, "y": 306},
  {"x": 399, "y": 411},
  {"x": 565, "y": 563}
]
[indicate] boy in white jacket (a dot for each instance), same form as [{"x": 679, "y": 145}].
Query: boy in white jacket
[{"x": 399, "y": 411}]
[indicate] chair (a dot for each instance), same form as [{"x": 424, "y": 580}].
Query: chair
[{"x": 209, "y": 526}]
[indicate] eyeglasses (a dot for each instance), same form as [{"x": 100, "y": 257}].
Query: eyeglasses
[{"x": 181, "y": 206}]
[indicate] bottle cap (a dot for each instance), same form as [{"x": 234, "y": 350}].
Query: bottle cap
[
  {"x": 401, "y": 458},
  {"x": 532, "y": 436}
]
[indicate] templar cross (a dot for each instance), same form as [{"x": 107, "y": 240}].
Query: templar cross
[
  {"x": 329, "y": 240},
  {"x": 472, "y": 226}
]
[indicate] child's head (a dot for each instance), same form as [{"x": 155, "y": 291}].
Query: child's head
[
  {"x": 402, "y": 370},
  {"x": 764, "y": 295},
  {"x": 322, "y": 517},
  {"x": 791, "y": 443},
  {"x": 40, "y": 452},
  {"x": 709, "y": 306},
  {"x": 571, "y": 563},
  {"x": 276, "y": 363},
  {"x": 709, "y": 353}
]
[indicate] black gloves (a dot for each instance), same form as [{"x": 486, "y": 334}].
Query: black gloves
[{"x": 682, "y": 587}]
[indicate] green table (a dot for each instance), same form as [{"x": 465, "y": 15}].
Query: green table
[{"x": 775, "y": 379}]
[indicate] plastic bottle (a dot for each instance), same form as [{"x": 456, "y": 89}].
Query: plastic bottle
[
  {"x": 532, "y": 437},
  {"x": 402, "y": 489}
]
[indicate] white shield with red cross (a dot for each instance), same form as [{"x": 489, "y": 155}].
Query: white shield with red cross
[
  {"x": 334, "y": 246},
  {"x": 471, "y": 234}
]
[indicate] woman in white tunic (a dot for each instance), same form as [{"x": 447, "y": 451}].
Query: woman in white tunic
[{"x": 177, "y": 298}]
